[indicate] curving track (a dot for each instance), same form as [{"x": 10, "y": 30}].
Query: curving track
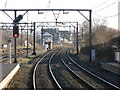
[
  {"x": 93, "y": 80},
  {"x": 58, "y": 61},
  {"x": 49, "y": 55},
  {"x": 35, "y": 70}
]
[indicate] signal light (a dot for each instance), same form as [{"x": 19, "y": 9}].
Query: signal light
[{"x": 15, "y": 31}]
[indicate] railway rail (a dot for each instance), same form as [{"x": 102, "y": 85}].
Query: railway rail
[
  {"x": 20, "y": 53},
  {"x": 74, "y": 73},
  {"x": 37, "y": 64},
  {"x": 53, "y": 76},
  {"x": 87, "y": 79},
  {"x": 91, "y": 75}
]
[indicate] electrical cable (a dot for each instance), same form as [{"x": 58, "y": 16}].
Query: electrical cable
[
  {"x": 108, "y": 16},
  {"x": 106, "y": 6},
  {"x": 48, "y": 5},
  {"x": 100, "y": 4},
  {"x": 6, "y": 3}
]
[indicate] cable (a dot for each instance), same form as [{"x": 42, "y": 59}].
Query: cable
[
  {"x": 106, "y": 6},
  {"x": 100, "y": 4},
  {"x": 108, "y": 16},
  {"x": 5, "y": 3},
  {"x": 48, "y": 5}
]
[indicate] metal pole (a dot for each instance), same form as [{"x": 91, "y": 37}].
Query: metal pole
[
  {"x": 42, "y": 35},
  {"x": 77, "y": 39},
  {"x": 15, "y": 58},
  {"x": 74, "y": 37},
  {"x": 9, "y": 53},
  {"x": 31, "y": 34},
  {"x": 21, "y": 37},
  {"x": 90, "y": 33},
  {"x": 34, "y": 53},
  {"x": 82, "y": 33},
  {"x": 27, "y": 35},
  {"x": 27, "y": 40},
  {"x": 56, "y": 21}
]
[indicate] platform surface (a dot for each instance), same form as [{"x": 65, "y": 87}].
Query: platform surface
[
  {"x": 7, "y": 71},
  {"x": 112, "y": 66}
]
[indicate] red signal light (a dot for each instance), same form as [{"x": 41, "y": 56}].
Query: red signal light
[
  {"x": 15, "y": 31},
  {"x": 15, "y": 35}
]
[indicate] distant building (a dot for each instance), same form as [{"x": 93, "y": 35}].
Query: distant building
[
  {"x": 47, "y": 41},
  {"x": 53, "y": 31},
  {"x": 65, "y": 35},
  {"x": 58, "y": 35}
]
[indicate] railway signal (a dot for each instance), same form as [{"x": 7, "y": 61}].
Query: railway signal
[
  {"x": 16, "y": 28},
  {"x": 18, "y": 19},
  {"x": 15, "y": 31}
]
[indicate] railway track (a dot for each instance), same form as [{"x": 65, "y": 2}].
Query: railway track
[
  {"x": 58, "y": 61},
  {"x": 53, "y": 62},
  {"x": 68, "y": 65},
  {"x": 4, "y": 58},
  {"x": 57, "y": 70},
  {"x": 35, "y": 79},
  {"x": 99, "y": 82},
  {"x": 51, "y": 72}
]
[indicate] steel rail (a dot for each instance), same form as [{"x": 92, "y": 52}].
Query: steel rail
[
  {"x": 92, "y": 73},
  {"x": 87, "y": 84},
  {"x": 50, "y": 69},
  {"x": 35, "y": 68}
]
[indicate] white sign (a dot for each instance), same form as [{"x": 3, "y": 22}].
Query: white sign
[{"x": 93, "y": 55}]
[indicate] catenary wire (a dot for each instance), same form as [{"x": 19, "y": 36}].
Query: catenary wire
[
  {"x": 100, "y": 4},
  {"x": 107, "y": 6},
  {"x": 6, "y": 4},
  {"x": 107, "y": 16}
]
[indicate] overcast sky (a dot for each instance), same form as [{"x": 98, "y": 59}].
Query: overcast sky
[{"x": 100, "y": 8}]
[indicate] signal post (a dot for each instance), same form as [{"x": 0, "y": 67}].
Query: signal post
[{"x": 16, "y": 32}]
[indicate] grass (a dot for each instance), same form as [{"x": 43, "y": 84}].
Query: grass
[
  {"x": 1, "y": 50},
  {"x": 20, "y": 47},
  {"x": 32, "y": 56},
  {"x": 23, "y": 60}
]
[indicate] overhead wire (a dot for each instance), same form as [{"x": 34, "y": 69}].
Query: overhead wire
[
  {"x": 108, "y": 16},
  {"x": 105, "y": 8},
  {"x": 48, "y": 5},
  {"x": 45, "y": 15},
  {"x": 6, "y": 4},
  {"x": 100, "y": 4}
]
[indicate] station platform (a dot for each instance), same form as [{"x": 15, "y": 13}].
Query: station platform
[
  {"x": 7, "y": 71},
  {"x": 112, "y": 67}
]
